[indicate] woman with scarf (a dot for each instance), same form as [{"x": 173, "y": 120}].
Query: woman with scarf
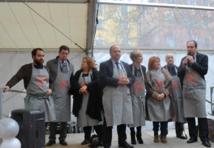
[{"x": 158, "y": 101}]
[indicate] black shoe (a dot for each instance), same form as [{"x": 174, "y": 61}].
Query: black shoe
[
  {"x": 50, "y": 143},
  {"x": 125, "y": 145},
  {"x": 140, "y": 140},
  {"x": 133, "y": 140},
  {"x": 192, "y": 140},
  {"x": 63, "y": 142},
  {"x": 95, "y": 142},
  {"x": 182, "y": 137},
  {"x": 206, "y": 143},
  {"x": 85, "y": 142}
]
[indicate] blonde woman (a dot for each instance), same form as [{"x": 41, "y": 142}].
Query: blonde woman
[
  {"x": 87, "y": 104},
  {"x": 138, "y": 95}
]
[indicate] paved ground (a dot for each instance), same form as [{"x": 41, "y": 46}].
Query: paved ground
[{"x": 74, "y": 141}]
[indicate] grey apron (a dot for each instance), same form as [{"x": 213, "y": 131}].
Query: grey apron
[
  {"x": 177, "y": 100},
  {"x": 194, "y": 94},
  {"x": 36, "y": 98},
  {"x": 83, "y": 119},
  {"x": 61, "y": 95},
  {"x": 138, "y": 98},
  {"x": 158, "y": 110},
  {"x": 117, "y": 102}
]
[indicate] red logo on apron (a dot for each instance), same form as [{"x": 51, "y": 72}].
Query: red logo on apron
[
  {"x": 63, "y": 84},
  {"x": 41, "y": 80},
  {"x": 139, "y": 87}
]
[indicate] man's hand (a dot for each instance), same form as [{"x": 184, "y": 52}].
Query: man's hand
[
  {"x": 190, "y": 59},
  {"x": 123, "y": 81},
  {"x": 49, "y": 92},
  {"x": 5, "y": 88},
  {"x": 185, "y": 61}
]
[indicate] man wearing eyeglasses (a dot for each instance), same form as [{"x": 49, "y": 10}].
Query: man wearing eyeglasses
[{"x": 60, "y": 71}]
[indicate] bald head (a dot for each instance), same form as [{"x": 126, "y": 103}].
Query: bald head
[
  {"x": 169, "y": 59},
  {"x": 115, "y": 52}
]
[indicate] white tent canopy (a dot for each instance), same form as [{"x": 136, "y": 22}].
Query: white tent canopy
[{"x": 47, "y": 24}]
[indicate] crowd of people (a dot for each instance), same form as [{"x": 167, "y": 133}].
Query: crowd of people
[{"x": 119, "y": 95}]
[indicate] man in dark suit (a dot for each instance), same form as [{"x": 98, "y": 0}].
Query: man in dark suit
[
  {"x": 116, "y": 77},
  {"x": 191, "y": 71}
]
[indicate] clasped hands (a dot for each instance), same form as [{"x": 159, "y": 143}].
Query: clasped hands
[
  {"x": 83, "y": 89},
  {"x": 123, "y": 80},
  {"x": 161, "y": 97},
  {"x": 188, "y": 60}
]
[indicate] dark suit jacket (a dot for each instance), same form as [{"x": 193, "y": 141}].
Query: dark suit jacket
[
  {"x": 106, "y": 74},
  {"x": 94, "y": 106},
  {"x": 200, "y": 66},
  {"x": 175, "y": 67},
  {"x": 143, "y": 69}
]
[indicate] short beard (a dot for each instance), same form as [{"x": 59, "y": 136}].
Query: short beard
[{"x": 38, "y": 62}]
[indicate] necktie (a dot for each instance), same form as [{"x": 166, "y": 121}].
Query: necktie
[
  {"x": 63, "y": 67},
  {"x": 117, "y": 65}
]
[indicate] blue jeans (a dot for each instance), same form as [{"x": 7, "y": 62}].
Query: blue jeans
[{"x": 163, "y": 128}]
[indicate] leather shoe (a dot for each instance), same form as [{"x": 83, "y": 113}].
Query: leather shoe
[
  {"x": 85, "y": 142},
  {"x": 182, "y": 137},
  {"x": 192, "y": 140},
  {"x": 63, "y": 142},
  {"x": 50, "y": 143},
  {"x": 125, "y": 145},
  {"x": 140, "y": 140},
  {"x": 206, "y": 143}
]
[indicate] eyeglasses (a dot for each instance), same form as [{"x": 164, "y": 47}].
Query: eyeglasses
[{"x": 190, "y": 46}]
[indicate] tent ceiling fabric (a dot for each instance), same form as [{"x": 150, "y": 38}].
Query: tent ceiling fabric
[
  {"x": 48, "y": 1},
  {"x": 21, "y": 28}
]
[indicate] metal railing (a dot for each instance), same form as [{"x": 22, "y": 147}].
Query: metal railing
[{"x": 211, "y": 101}]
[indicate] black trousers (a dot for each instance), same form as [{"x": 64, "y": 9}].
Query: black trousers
[
  {"x": 132, "y": 129},
  {"x": 98, "y": 129},
  {"x": 107, "y": 134},
  {"x": 202, "y": 128},
  {"x": 62, "y": 131},
  {"x": 163, "y": 128},
  {"x": 179, "y": 128}
]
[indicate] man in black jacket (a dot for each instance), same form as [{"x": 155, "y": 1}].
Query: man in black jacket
[
  {"x": 36, "y": 83},
  {"x": 191, "y": 71},
  {"x": 116, "y": 77}
]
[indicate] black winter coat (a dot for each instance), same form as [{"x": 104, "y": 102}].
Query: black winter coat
[{"x": 94, "y": 107}]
